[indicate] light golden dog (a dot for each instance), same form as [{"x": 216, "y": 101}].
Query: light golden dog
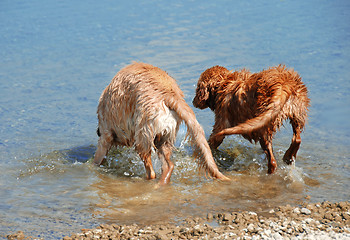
[
  {"x": 143, "y": 107},
  {"x": 254, "y": 105}
]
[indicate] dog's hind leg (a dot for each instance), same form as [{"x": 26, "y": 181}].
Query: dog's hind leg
[
  {"x": 266, "y": 145},
  {"x": 147, "y": 161},
  {"x": 291, "y": 153},
  {"x": 164, "y": 154}
]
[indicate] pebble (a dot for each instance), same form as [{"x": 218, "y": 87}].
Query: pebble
[
  {"x": 296, "y": 210},
  {"x": 305, "y": 211}
]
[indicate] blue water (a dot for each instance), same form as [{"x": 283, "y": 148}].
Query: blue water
[{"x": 58, "y": 56}]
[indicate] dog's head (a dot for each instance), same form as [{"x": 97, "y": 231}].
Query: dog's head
[{"x": 206, "y": 86}]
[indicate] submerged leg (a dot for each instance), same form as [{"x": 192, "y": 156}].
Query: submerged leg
[
  {"x": 266, "y": 145},
  {"x": 291, "y": 153},
  {"x": 164, "y": 154},
  {"x": 147, "y": 161}
]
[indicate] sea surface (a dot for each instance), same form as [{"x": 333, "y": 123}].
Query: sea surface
[{"x": 56, "y": 57}]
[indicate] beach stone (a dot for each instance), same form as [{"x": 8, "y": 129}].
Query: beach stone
[
  {"x": 251, "y": 228},
  {"x": 343, "y": 206},
  {"x": 227, "y": 217},
  {"x": 338, "y": 218},
  {"x": 210, "y": 217},
  {"x": 328, "y": 216},
  {"x": 19, "y": 235},
  {"x": 160, "y": 236},
  {"x": 184, "y": 230},
  {"x": 238, "y": 219},
  {"x": 277, "y": 236},
  {"x": 305, "y": 211},
  {"x": 198, "y": 229},
  {"x": 296, "y": 210},
  {"x": 326, "y": 204}
]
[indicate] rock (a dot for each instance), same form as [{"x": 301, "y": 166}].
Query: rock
[
  {"x": 227, "y": 217},
  {"x": 19, "y": 236},
  {"x": 253, "y": 213},
  {"x": 210, "y": 217},
  {"x": 160, "y": 236},
  {"x": 328, "y": 215},
  {"x": 346, "y": 215},
  {"x": 197, "y": 230},
  {"x": 252, "y": 228},
  {"x": 277, "y": 236},
  {"x": 343, "y": 206},
  {"x": 296, "y": 210},
  {"x": 184, "y": 230},
  {"x": 305, "y": 211}
]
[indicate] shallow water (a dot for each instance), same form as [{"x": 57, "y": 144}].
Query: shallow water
[{"x": 58, "y": 56}]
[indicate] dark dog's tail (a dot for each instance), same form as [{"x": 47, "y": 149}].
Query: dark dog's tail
[
  {"x": 274, "y": 107},
  {"x": 195, "y": 131}
]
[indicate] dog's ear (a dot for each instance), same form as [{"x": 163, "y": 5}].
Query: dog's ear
[{"x": 202, "y": 95}]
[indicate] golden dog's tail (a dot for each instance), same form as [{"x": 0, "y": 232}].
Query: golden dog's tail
[
  {"x": 272, "y": 110},
  {"x": 198, "y": 141}
]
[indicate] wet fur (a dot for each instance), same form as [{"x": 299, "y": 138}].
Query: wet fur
[
  {"x": 143, "y": 107},
  {"x": 254, "y": 105}
]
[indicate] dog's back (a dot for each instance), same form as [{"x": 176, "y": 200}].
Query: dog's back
[
  {"x": 132, "y": 106},
  {"x": 280, "y": 91},
  {"x": 254, "y": 105},
  {"x": 262, "y": 101}
]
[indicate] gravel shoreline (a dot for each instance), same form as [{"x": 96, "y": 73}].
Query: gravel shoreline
[{"x": 324, "y": 220}]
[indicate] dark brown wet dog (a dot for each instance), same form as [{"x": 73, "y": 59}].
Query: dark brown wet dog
[
  {"x": 143, "y": 107},
  {"x": 254, "y": 105}
]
